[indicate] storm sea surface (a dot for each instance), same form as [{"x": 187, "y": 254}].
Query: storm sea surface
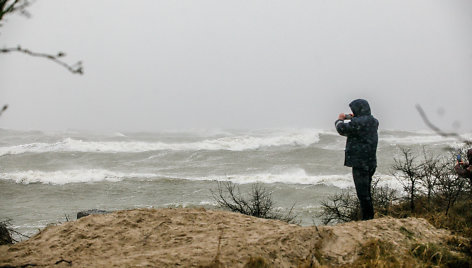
[{"x": 47, "y": 177}]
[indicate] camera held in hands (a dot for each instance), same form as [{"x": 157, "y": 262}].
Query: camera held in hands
[{"x": 348, "y": 116}]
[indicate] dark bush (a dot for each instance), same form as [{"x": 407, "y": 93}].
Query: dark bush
[
  {"x": 5, "y": 236},
  {"x": 342, "y": 207},
  {"x": 383, "y": 197},
  {"x": 257, "y": 203},
  {"x": 408, "y": 172}
]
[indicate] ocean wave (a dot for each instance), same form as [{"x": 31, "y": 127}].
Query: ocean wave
[
  {"x": 299, "y": 176},
  {"x": 420, "y": 139},
  {"x": 294, "y": 176},
  {"x": 69, "y": 176},
  {"x": 232, "y": 143}
]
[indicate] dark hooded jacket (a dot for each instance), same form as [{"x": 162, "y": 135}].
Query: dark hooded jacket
[
  {"x": 465, "y": 170},
  {"x": 362, "y": 137}
]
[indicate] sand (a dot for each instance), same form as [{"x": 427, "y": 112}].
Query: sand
[{"x": 198, "y": 237}]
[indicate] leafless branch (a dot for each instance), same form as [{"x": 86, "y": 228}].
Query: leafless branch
[
  {"x": 257, "y": 203},
  {"x": 408, "y": 172},
  {"x": 5, "y": 107},
  {"x": 74, "y": 68},
  {"x": 13, "y": 6},
  {"x": 341, "y": 207},
  {"x": 437, "y": 129},
  {"x": 6, "y": 232},
  {"x": 383, "y": 197},
  {"x": 20, "y": 6}
]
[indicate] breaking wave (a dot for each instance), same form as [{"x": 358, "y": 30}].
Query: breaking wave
[
  {"x": 295, "y": 176},
  {"x": 69, "y": 176},
  {"x": 232, "y": 143},
  {"x": 422, "y": 138}
]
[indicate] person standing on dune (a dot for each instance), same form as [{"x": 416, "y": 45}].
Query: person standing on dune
[{"x": 361, "y": 150}]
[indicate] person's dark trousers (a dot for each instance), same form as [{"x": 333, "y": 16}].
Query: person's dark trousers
[{"x": 363, "y": 179}]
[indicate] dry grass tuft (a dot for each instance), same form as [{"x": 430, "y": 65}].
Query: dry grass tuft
[
  {"x": 431, "y": 254},
  {"x": 377, "y": 253},
  {"x": 257, "y": 262}
]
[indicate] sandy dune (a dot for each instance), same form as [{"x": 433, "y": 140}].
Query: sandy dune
[{"x": 198, "y": 237}]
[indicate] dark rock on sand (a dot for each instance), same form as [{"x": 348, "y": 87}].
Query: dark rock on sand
[{"x": 84, "y": 213}]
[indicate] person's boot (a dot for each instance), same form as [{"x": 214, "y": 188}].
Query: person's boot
[{"x": 367, "y": 209}]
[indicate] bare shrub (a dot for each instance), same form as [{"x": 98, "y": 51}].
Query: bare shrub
[
  {"x": 450, "y": 186},
  {"x": 432, "y": 169},
  {"x": 408, "y": 172},
  {"x": 434, "y": 173},
  {"x": 430, "y": 182},
  {"x": 344, "y": 206},
  {"x": 5, "y": 235},
  {"x": 341, "y": 207},
  {"x": 383, "y": 197},
  {"x": 7, "y": 232},
  {"x": 257, "y": 203}
]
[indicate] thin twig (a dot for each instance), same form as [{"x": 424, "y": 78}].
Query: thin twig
[
  {"x": 20, "y": 6},
  {"x": 75, "y": 68},
  {"x": 5, "y": 107},
  {"x": 437, "y": 129},
  {"x": 18, "y": 233}
]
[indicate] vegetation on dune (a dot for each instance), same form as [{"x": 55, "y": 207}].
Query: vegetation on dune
[
  {"x": 432, "y": 191},
  {"x": 257, "y": 203},
  {"x": 5, "y": 236}
]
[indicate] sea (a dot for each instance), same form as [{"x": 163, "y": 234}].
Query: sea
[{"x": 47, "y": 177}]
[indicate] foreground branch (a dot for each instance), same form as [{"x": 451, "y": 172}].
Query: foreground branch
[
  {"x": 437, "y": 129},
  {"x": 5, "y": 107},
  {"x": 14, "y": 6},
  {"x": 75, "y": 68}
]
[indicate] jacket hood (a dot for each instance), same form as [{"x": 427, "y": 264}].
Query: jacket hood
[{"x": 360, "y": 107}]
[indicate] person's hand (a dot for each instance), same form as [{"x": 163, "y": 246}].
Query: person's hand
[{"x": 342, "y": 116}]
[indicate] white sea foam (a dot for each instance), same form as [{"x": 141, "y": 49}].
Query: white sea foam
[
  {"x": 69, "y": 176},
  {"x": 231, "y": 143},
  {"x": 342, "y": 181},
  {"x": 420, "y": 139},
  {"x": 293, "y": 176}
]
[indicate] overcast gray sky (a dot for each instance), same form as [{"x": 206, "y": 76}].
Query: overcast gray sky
[{"x": 158, "y": 65}]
